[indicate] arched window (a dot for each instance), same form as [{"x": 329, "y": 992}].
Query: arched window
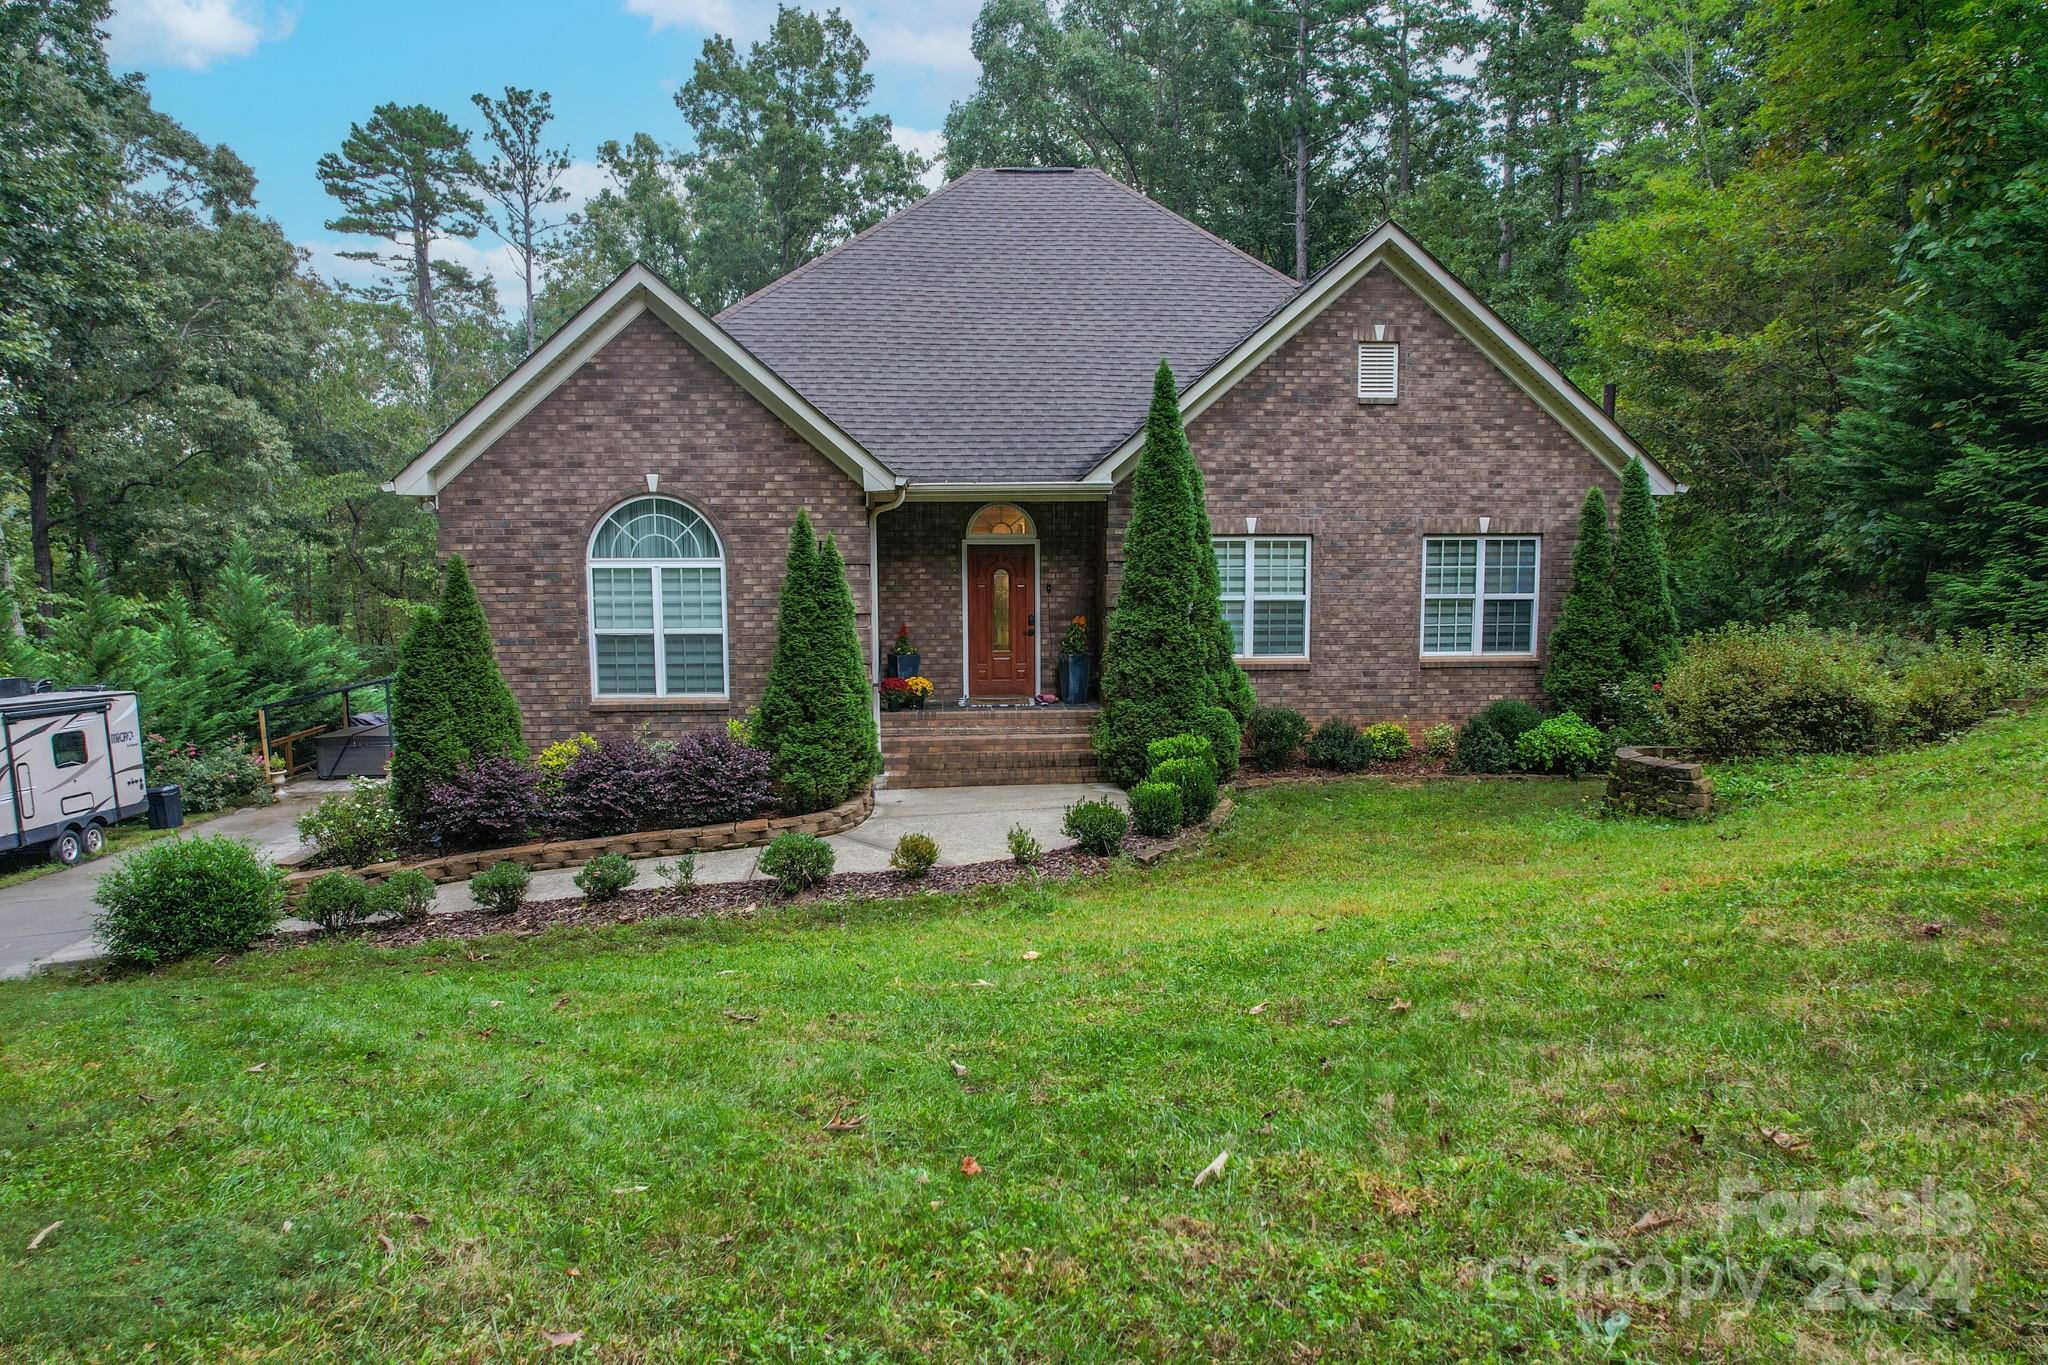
[
  {"x": 1000, "y": 519},
  {"x": 657, "y": 603}
]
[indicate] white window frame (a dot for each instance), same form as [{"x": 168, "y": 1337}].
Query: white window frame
[
  {"x": 1479, "y": 597},
  {"x": 591, "y": 565},
  {"x": 1251, "y": 598}
]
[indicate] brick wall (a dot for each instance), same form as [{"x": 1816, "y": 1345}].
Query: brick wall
[
  {"x": 1292, "y": 446},
  {"x": 523, "y": 512},
  {"x": 920, "y": 576}
]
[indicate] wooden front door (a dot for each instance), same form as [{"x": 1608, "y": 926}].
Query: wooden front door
[{"x": 1002, "y": 629}]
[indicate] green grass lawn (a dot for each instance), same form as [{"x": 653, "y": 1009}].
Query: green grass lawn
[{"x": 1444, "y": 1030}]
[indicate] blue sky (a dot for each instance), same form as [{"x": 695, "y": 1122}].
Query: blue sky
[{"x": 281, "y": 82}]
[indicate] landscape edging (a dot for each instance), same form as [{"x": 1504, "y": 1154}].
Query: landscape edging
[{"x": 655, "y": 843}]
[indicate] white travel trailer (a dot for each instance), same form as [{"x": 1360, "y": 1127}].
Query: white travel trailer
[{"x": 74, "y": 767}]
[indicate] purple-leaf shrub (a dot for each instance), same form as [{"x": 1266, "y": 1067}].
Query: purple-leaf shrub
[
  {"x": 486, "y": 805},
  {"x": 614, "y": 788},
  {"x": 709, "y": 778}
]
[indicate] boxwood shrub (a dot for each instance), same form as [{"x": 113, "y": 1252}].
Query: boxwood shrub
[
  {"x": 1097, "y": 826},
  {"x": 185, "y": 895},
  {"x": 605, "y": 876},
  {"x": 335, "y": 900},
  {"x": 1486, "y": 742},
  {"x": 407, "y": 894},
  {"x": 501, "y": 886},
  {"x": 1337, "y": 746},
  {"x": 1155, "y": 808},
  {"x": 1274, "y": 736},
  {"x": 796, "y": 862},
  {"x": 1225, "y": 736},
  {"x": 1196, "y": 779}
]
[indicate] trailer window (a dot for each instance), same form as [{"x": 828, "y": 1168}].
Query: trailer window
[{"x": 67, "y": 748}]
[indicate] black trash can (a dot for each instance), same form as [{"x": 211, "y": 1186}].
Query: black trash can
[{"x": 166, "y": 807}]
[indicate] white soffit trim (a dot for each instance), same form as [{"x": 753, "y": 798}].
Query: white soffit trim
[
  {"x": 1048, "y": 491},
  {"x": 1415, "y": 267},
  {"x": 639, "y": 290}
]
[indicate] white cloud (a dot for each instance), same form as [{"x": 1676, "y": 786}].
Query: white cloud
[
  {"x": 484, "y": 256},
  {"x": 924, "y": 35},
  {"x": 926, "y": 143},
  {"x": 193, "y": 34}
]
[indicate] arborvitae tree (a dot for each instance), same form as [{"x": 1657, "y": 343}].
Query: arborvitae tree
[
  {"x": 1229, "y": 688},
  {"x": 1642, "y": 581},
  {"x": 450, "y": 706},
  {"x": 1158, "y": 650},
  {"x": 1585, "y": 647},
  {"x": 815, "y": 720}
]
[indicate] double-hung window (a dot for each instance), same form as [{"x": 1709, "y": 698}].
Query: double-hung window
[
  {"x": 1265, "y": 594},
  {"x": 657, "y": 603},
  {"x": 1479, "y": 594}
]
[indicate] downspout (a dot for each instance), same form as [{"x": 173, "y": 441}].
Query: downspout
[{"x": 875, "y": 599}]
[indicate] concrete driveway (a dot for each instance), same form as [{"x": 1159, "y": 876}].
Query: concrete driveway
[{"x": 49, "y": 919}]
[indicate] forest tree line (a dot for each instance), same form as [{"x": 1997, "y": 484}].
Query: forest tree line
[{"x": 1805, "y": 239}]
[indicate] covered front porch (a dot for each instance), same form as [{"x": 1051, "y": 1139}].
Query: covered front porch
[{"x": 987, "y": 587}]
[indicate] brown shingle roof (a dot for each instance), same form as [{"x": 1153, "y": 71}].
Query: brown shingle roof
[{"x": 1006, "y": 328}]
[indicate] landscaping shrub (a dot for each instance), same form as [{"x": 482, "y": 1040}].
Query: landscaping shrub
[
  {"x": 1779, "y": 689},
  {"x": 1225, "y": 736},
  {"x": 614, "y": 788},
  {"x": 681, "y": 874},
  {"x": 1955, "y": 682},
  {"x": 1486, "y": 742},
  {"x": 1097, "y": 826},
  {"x": 1585, "y": 645},
  {"x": 335, "y": 900},
  {"x": 1162, "y": 656},
  {"x": 184, "y": 895},
  {"x": 1179, "y": 746},
  {"x": 1337, "y": 746},
  {"x": 1387, "y": 741},
  {"x": 1440, "y": 741},
  {"x": 1275, "y": 735},
  {"x": 707, "y": 778},
  {"x": 1196, "y": 779},
  {"x": 486, "y": 805},
  {"x": 407, "y": 894},
  {"x": 1025, "y": 850},
  {"x": 1635, "y": 713},
  {"x": 501, "y": 886},
  {"x": 449, "y": 704},
  {"x": 209, "y": 777},
  {"x": 353, "y": 829},
  {"x": 915, "y": 855},
  {"x": 1155, "y": 808},
  {"x": 605, "y": 876},
  {"x": 1562, "y": 744},
  {"x": 814, "y": 720},
  {"x": 557, "y": 757},
  {"x": 797, "y": 862}
]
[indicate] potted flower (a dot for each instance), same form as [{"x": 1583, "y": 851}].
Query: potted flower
[
  {"x": 1074, "y": 662},
  {"x": 904, "y": 660},
  {"x": 905, "y": 694}
]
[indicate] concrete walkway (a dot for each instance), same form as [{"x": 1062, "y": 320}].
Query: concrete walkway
[
  {"x": 970, "y": 825},
  {"x": 49, "y": 918},
  {"x": 48, "y": 921}
]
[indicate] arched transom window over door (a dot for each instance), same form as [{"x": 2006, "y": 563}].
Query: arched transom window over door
[
  {"x": 1000, "y": 519},
  {"x": 657, "y": 603}
]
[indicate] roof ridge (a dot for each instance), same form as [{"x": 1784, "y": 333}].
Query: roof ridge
[
  {"x": 1191, "y": 225},
  {"x": 830, "y": 252}
]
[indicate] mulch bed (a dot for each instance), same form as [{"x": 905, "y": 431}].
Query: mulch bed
[
  {"x": 736, "y": 899},
  {"x": 1251, "y": 779}
]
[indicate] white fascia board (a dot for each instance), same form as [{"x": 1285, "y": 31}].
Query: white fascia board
[
  {"x": 1480, "y": 325},
  {"x": 1064, "y": 490},
  {"x": 639, "y": 290}
]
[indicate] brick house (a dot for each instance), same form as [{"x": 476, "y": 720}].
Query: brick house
[{"x": 957, "y": 396}]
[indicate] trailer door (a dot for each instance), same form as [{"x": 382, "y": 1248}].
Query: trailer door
[{"x": 25, "y": 790}]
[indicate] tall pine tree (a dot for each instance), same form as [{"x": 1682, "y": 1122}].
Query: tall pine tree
[
  {"x": 815, "y": 722},
  {"x": 1585, "y": 647},
  {"x": 1159, "y": 651},
  {"x": 1642, "y": 581}
]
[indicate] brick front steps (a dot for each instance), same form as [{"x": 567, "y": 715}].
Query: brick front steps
[{"x": 976, "y": 746}]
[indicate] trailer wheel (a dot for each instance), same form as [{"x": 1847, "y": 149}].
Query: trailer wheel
[
  {"x": 68, "y": 848},
  {"x": 95, "y": 839}
]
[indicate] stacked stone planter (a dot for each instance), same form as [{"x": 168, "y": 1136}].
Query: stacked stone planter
[
  {"x": 1660, "y": 781},
  {"x": 658, "y": 843}
]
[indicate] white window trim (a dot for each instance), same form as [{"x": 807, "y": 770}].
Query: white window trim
[
  {"x": 660, "y": 633},
  {"x": 1479, "y": 598},
  {"x": 968, "y": 540},
  {"x": 1306, "y": 596}
]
